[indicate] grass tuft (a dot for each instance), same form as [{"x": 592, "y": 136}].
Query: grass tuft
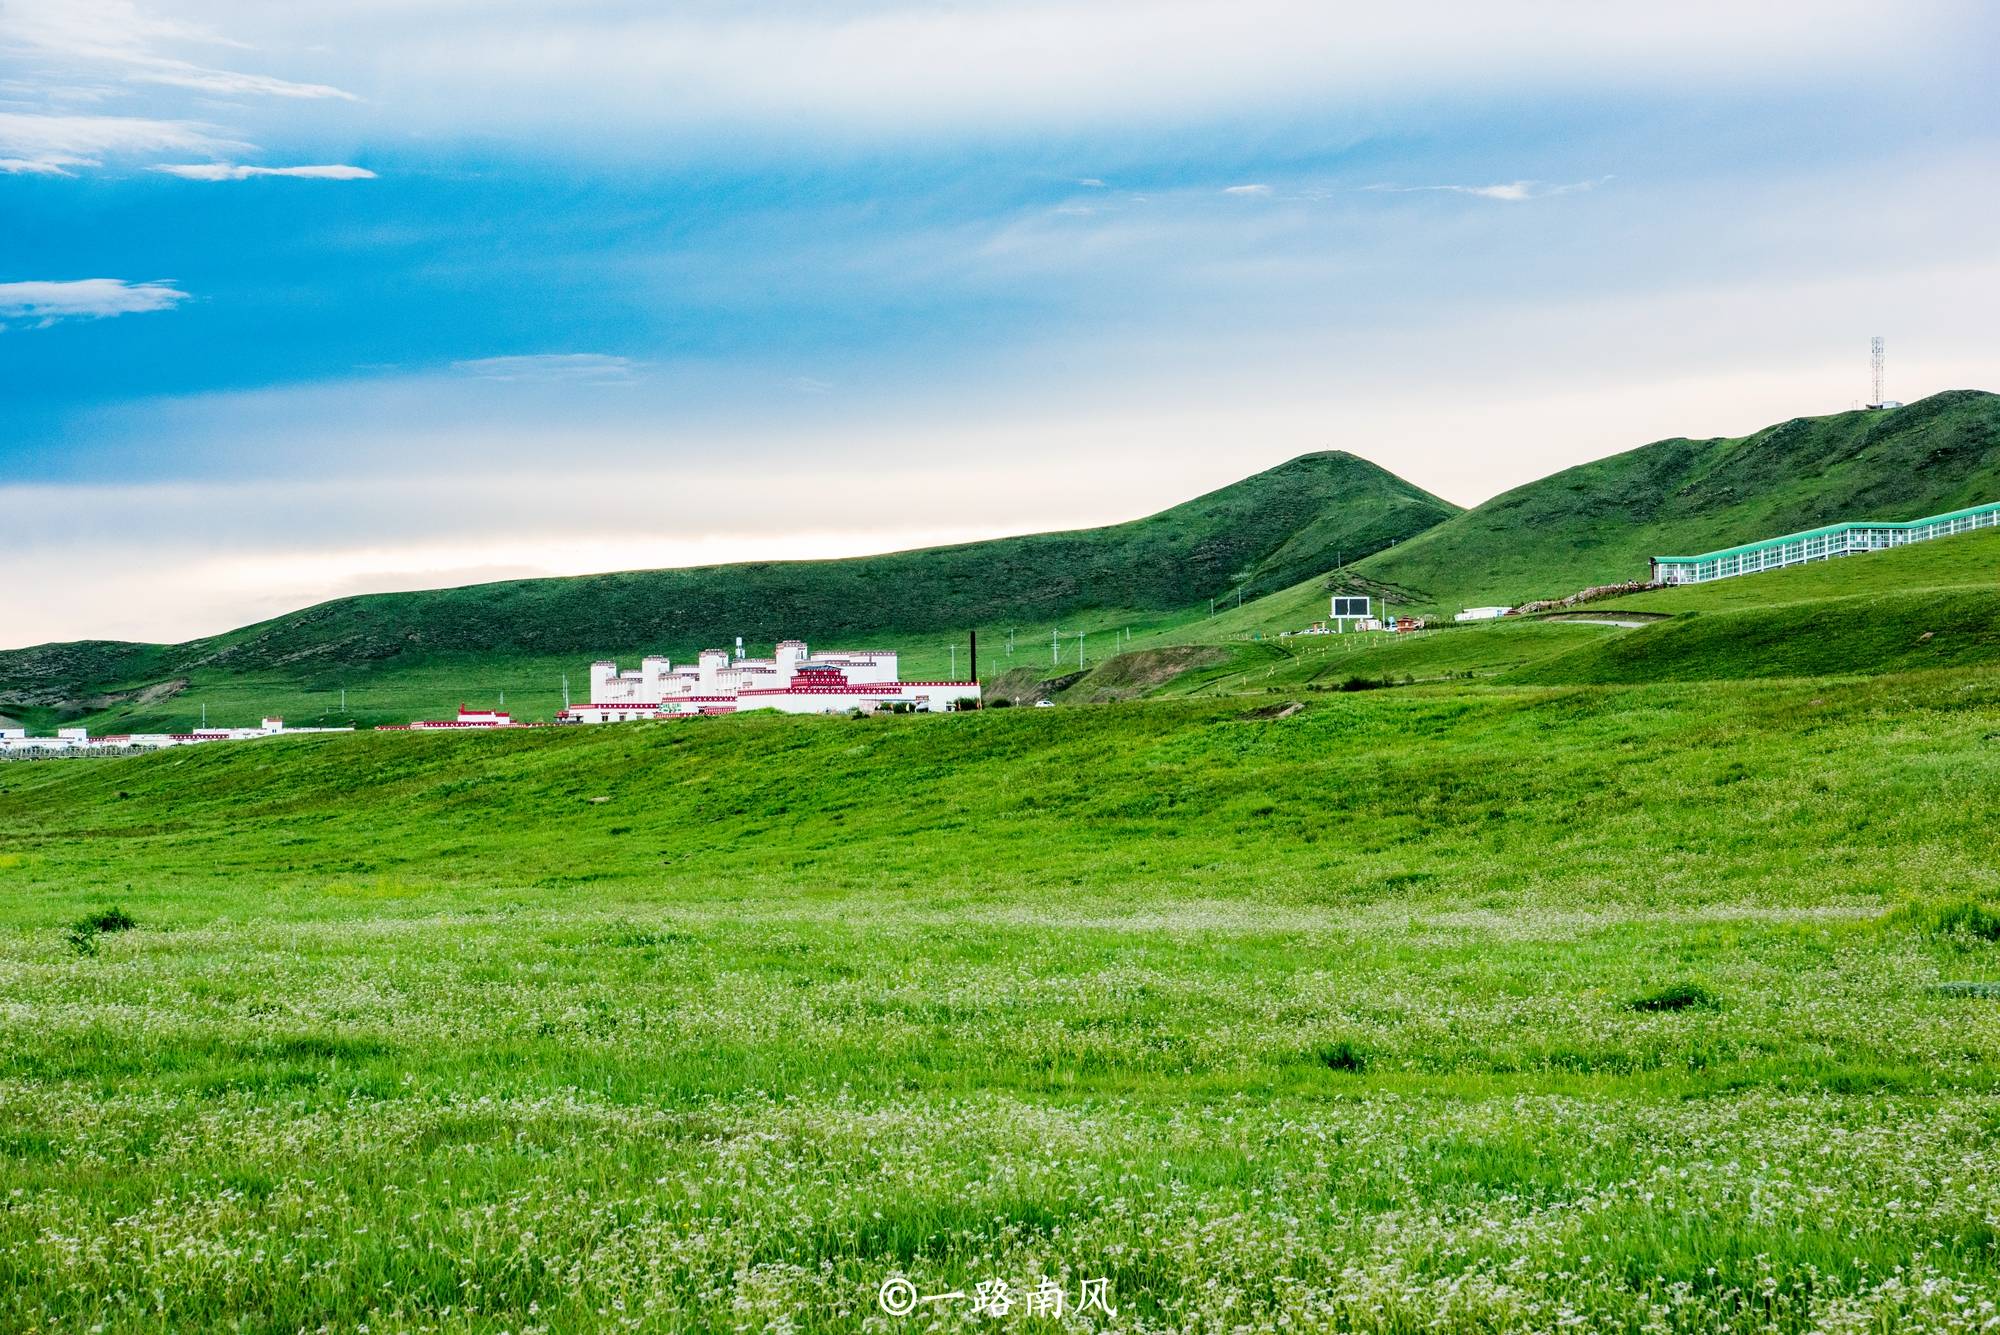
[
  {"x": 1342, "y": 1056},
  {"x": 1961, "y": 919},
  {"x": 1677, "y": 997}
]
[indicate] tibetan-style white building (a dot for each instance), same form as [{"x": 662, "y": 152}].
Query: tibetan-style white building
[{"x": 793, "y": 680}]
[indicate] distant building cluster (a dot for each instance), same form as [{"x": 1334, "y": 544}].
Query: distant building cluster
[
  {"x": 793, "y": 681},
  {"x": 1358, "y": 612},
  {"x": 78, "y": 741},
  {"x": 467, "y": 718},
  {"x": 1819, "y": 544}
]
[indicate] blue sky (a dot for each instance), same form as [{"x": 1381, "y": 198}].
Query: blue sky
[{"x": 309, "y": 299}]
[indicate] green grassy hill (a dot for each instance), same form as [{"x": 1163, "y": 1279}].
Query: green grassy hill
[
  {"x": 1933, "y": 605},
  {"x": 1965, "y": 561},
  {"x": 1601, "y": 522},
  {"x": 1269, "y": 541},
  {"x": 403, "y": 652}
]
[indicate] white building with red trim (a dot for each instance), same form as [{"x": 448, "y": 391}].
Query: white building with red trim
[
  {"x": 467, "y": 718},
  {"x": 793, "y": 680}
]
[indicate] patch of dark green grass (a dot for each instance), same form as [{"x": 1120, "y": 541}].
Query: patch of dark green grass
[
  {"x": 83, "y": 933},
  {"x": 1342, "y": 1056},
  {"x": 1674, "y": 997}
]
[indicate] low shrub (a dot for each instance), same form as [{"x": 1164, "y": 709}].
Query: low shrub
[{"x": 83, "y": 933}]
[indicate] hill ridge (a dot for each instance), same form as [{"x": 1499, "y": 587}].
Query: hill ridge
[
  {"x": 1600, "y": 522},
  {"x": 1258, "y": 534}
]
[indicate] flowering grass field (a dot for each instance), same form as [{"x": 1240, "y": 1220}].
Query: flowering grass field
[{"x": 1445, "y": 1008}]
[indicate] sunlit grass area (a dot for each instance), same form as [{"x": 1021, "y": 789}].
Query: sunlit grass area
[{"x": 1449, "y": 1006}]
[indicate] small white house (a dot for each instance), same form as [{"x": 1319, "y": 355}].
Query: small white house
[{"x": 1482, "y": 614}]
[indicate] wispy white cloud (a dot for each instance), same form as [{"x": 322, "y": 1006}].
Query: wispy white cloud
[
  {"x": 50, "y": 166},
  {"x": 51, "y": 144},
  {"x": 85, "y": 299},
  {"x": 1252, "y": 190},
  {"x": 1507, "y": 192},
  {"x": 117, "y": 37},
  {"x": 917, "y": 67},
  {"x": 71, "y": 55},
  {"x": 179, "y": 74},
  {"x": 236, "y": 171},
  {"x": 551, "y": 367}
]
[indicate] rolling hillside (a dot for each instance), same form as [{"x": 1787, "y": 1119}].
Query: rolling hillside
[
  {"x": 1263, "y": 533},
  {"x": 1933, "y": 605},
  {"x": 1600, "y": 522}
]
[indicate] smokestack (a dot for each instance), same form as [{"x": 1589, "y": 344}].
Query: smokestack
[{"x": 973, "y": 655}]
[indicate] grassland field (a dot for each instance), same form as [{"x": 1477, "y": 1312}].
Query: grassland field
[{"x": 1458, "y": 1006}]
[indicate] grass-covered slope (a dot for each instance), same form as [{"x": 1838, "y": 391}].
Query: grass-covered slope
[
  {"x": 1966, "y": 561},
  {"x": 1263, "y": 533},
  {"x": 1601, "y": 522},
  {"x": 1932, "y": 605},
  {"x": 1440, "y": 1009},
  {"x": 1828, "y": 637}
]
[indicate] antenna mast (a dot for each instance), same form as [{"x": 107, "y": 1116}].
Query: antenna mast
[{"x": 1876, "y": 357}]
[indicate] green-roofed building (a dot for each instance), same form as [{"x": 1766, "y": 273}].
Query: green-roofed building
[{"x": 1819, "y": 544}]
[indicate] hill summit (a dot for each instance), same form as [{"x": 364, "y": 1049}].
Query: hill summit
[{"x": 1600, "y": 522}]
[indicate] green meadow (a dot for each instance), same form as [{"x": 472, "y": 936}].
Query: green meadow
[{"x": 1455, "y": 1006}]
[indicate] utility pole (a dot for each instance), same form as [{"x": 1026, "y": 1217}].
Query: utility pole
[
  {"x": 1079, "y": 651},
  {"x": 1055, "y": 652},
  {"x": 343, "y": 700},
  {"x": 565, "y": 690},
  {"x": 953, "y": 646},
  {"x": 204, "y": 713},
  {"x": 1010, "y": 642}
]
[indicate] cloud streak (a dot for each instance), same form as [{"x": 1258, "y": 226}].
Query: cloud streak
[
  {"x": 116, "y": 36},
  {"x": 593, "y": 368},
  {"x": 1505, "y": 192},
  {"x": 234, "y": 171},
  {"x": 51, "y": 144},
  {"x": 85, "y": 299},
  {"x": 86, "y": 51}
]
